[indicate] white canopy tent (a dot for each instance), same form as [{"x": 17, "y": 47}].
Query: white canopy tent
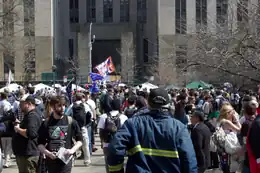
[
  {"x": 121, "y": 85},
  {"x": 146, "y": 86},
  {"x": 41, "y": 86},
  {"x": 11, "y": 87},
  {"x": 74, "y": 87},
  {"x": 57, "y": 86}
]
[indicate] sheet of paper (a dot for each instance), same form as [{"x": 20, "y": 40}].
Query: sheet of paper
[{"x": 62, "y": 156}]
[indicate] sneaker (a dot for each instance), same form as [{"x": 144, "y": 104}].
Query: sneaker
[
  {"x": 94, "y": 150},
  {"x": 6, "y": 165},
  {"x": 87, "y": 163}
]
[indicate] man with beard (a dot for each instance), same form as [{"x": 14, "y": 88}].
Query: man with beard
[
  {"x": 57, "y": 132},
  {"x": 24, "y": 141}
]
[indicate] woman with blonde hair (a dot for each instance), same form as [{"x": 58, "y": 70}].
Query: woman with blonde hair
[
  {"x": 228, "y": 119},
  {"x": 229, "y": 122}
]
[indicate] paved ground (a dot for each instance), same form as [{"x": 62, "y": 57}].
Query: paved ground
[{"x": 97, "y": 166}]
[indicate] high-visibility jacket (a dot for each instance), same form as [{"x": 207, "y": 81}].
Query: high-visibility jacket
[{"x": 154, "y": 142}]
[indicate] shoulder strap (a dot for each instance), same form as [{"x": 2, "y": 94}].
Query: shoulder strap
[
  {"x": 69, "y": 136},
  {"x": 70, "y": 120}
]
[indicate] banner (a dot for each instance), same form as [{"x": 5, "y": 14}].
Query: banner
[{"x": 106, "y": 67}]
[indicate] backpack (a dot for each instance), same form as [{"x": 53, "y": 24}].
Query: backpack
[
  {"x": 112, "y": 124},
  {"x": 129, "y": 112},
  {"x": 79, "y": 114}
]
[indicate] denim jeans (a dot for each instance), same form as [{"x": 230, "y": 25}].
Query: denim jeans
[
  {"x": 89, "y": 128},
  {"x": 7, "y": 149},
  {"x": 85, "y": 145}
]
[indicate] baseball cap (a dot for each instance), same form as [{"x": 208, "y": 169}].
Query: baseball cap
[
  {"x": 29, "y": 99},
  {"x": 158, "y": 97}
]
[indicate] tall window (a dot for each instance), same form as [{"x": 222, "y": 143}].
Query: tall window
[
  {"x": 108, "y": 11},
  {"x": 8, "y": 63},
  {"x": 91, "y": 10},
  {"x": 242, "y": 11},
  {"x": 181, "y": 57},
  {"x": 30, "y": 61},
  {"x": 8, "y": 18},
  {"x": 201, "y": 13},
  {"x": 71, "y": 48},
  {"x": 124, "y": 10},
  {"x": 180, "y": 13},
  {"x": 29, "y": 18},
  {"x": 222, "y": 12},
  {"x": 142, "y": 11},
  {"x": 74, "y": 11},
  {"x": 145, "y": 50}
]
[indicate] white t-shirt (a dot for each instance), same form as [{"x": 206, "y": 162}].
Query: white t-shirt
[
  {"x": 91, "y": 103},
  {"x": 102, "y": 121}
]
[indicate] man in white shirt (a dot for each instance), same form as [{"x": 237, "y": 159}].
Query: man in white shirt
[
  {"x": 102, "y": 125},
  {"x": 86, "y": 137},
  {"x": 93, "y": 107},
  {"x": 5, "y": 106}
]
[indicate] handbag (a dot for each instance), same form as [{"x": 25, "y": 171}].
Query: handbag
[
  {"x": 218, "y": 140},
  {"x": 232, "y": 144},
  {"x": 212, "y": 146}
]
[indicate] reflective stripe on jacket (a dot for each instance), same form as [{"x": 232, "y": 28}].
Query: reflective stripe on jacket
[{"x": 154, "y": 142}]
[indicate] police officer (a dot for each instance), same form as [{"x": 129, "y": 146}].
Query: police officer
[{"x": 154, "y": 141}]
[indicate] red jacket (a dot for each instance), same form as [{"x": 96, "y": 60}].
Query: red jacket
[{"x": 252, "y": 145}]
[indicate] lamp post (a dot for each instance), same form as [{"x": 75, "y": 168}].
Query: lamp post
[
  {"x": 54, "y": 68},
  {"x": 91, "y": 40}
]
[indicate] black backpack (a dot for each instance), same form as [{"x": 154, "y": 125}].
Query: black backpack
[
  {"x": 129, "y": 112},
  {"x": 79, "y": 114},
  {"x": 112, "y": 124}
]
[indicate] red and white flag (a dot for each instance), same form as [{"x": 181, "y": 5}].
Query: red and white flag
[{"x": 106, "y": 67}]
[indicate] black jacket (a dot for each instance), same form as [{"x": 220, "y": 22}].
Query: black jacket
[
  {"x": 200, "y": 136},
  {"x": 27, "y": 146},
  {"x": 107, "y": 105}
]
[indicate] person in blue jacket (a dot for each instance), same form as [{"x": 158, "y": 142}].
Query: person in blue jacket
[{"x": 154, "y": 142}]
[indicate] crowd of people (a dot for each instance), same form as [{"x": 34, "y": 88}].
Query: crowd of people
[{"x": 180, "y": 131}]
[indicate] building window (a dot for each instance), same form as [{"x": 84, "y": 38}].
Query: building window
[
  {"x": 141, "y": 11},
  {"x": 29, "y": 61},
  {"x": 29, "y": 18},
  {"x": 180, "y": 13},
  {"x": 201, "y": 14},
  {"x": 181, "y": 57},
  {"x": 71, "y": 48},
  {"x": 145, "y": 50},
  {"x": 242, "y": 11},
  {"x": 7, "y": 18},
  {"x": 91, "y": 11},
  {"x": 222, "y": 12},
  {"x": 124, "y": 10},
  {"x": 108, "y": 11},
  {"x": 74, "y": 11},
  {"x": 8, "y": 58}
]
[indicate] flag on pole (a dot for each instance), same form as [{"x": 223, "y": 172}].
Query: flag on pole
[
  {"x": 95, "y": 76},
  {"x": 10, "y": 77},
  {"x": 106, "y": 67},
  {"x": 94, "y": 88}
]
